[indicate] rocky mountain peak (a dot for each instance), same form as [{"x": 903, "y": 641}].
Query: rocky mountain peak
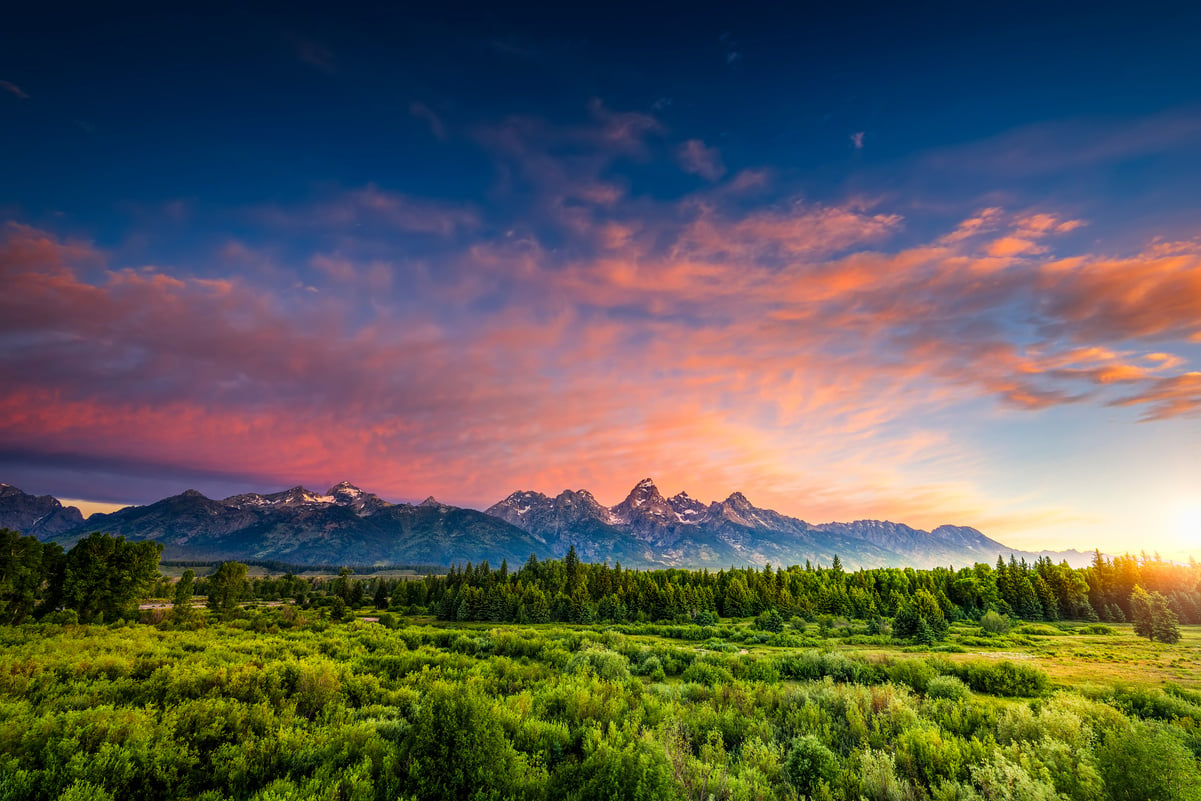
[
  {"x": 39, "y": 516},
  {"x": 689, "y": 509},
  {"x": 644, "y": 492},
  {"x": 738, "y": 501},
  {"x": 431, "y": 501},
  {"x": 645, "y": 502}
]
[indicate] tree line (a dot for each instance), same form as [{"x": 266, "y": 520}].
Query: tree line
[{"x": 103, "y": 576}]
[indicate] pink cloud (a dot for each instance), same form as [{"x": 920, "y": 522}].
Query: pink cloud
[{"x": 697, "y": 159}]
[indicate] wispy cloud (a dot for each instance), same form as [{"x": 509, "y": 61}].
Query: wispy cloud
[
  {"x": 423, "y": 112},
  {"x": 313, "y": 52},
  {"x": 1055, "y": 147},
  {"x": 13, "y": 89},
  {"x": 857, "y": 140},
  {"x": 697, "y": 159}
]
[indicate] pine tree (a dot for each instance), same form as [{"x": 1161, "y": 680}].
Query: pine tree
[
  {"x": 571, "y": 568},
  {"x": 1164, "y": 625}
]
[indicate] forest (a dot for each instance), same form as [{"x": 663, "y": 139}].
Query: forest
[{"x": 562, "y": 679}]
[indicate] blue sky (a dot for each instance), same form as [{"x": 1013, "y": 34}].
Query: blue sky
[{"x": 934, "y": 265}]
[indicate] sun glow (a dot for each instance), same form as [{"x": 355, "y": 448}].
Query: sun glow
[{"x": 1187, "y": 526}]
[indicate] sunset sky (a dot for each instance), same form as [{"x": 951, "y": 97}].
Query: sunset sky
[{"x": 927, "y": 266}]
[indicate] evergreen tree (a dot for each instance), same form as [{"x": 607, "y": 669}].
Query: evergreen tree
[
  {"x": 921, "y": 608},
  {"x": 571, "y": 568},
  {"x": 1152, "y": 616},
  {"x": 182, "y": 606},
  {"x": 380, "y": 601}
]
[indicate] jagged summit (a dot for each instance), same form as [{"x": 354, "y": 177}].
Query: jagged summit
[
  {"x": 40, "y": 515},
  {"x": 645, "y": 528}
]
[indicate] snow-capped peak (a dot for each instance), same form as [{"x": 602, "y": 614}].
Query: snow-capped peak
[{"x": 345, "y": 489}]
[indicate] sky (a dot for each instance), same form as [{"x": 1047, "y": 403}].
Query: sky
[{"x": 932, "y": 266}]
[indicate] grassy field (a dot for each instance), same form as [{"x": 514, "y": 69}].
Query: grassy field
[
  {"x": 283, "y": 703},
  {"x": 1071, "y": 657}
]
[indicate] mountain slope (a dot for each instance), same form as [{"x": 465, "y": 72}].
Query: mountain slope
[
  {"x": 41, "y": 516},
  {"x": 342, "y": 526}
]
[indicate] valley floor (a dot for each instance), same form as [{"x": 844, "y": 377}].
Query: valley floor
[{"x": 277, "y": 705}]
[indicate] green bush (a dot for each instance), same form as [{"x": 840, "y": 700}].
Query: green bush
[
  {"x": 994, "y": 623},
  {"x": 707, "y": 673},
  {"x": 913, "y": 673},
  {"x": 809, "y": 763},
  {"x": 1149, "y": 762},
  {"x": 951, "y": 687},
  {"x": 600, "y": 661},
  {"x": 1002, "y": 678}
]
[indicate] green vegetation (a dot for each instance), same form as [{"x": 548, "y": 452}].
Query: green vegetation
[{"x": 888, "y": 684}]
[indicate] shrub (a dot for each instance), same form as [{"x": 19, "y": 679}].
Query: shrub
[
  {"x": 707, "y": 673},
  {"x": 605, "y": 664},
  {"x": 946, "y": 687},
  {"x": 1148, "y": 762},
  {"x": 913, "y": 673},
  {"x": 771, "y": 621},
  {"x": 878, "y": 779},
  {"x": 1002, "y": 779},
  {"x": 456, "y": 747},
  {"x": 809, "y": 762},
  {"x": 1002, "y": 678},
  {"x": 994, "y": 623}
]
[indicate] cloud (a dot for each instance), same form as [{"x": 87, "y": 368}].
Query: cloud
[
  {"x": 1057, "y": 147},
  {"x": 13, "y": 89},
  {"x": 857, "y": 140},
  {"x": 697, "y": 159},
  {"x": 579, "y": 332},
  {"x": 314, "y": 53},
  {"x": 372, "y": 206},
  {"x": 423, "y": 112}
]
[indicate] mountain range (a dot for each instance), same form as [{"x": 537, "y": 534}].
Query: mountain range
[{"x": 347, "y": 525}]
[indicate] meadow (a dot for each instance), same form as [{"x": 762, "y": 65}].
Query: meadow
[{"x": 284, "y": 703}]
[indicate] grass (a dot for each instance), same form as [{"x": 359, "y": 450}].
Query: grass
[{"x": 1071, "y": 657}]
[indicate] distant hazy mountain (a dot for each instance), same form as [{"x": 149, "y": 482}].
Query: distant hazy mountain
[
  {"x": 42, "y": 516},
  {"x": 346, "y": 525}
]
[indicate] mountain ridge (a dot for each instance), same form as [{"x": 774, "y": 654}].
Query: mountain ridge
[{"x": 349, "y": 525}]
